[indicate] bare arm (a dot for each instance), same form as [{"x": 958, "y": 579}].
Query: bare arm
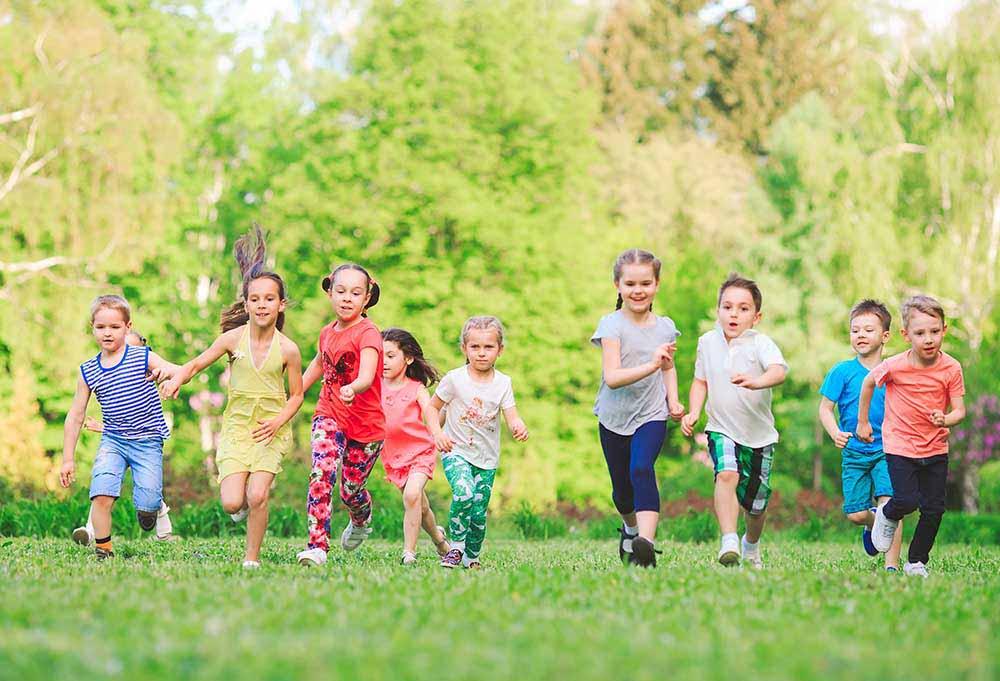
[
  {"x": 829, "y": 421},
  {"x": 517, "y": 427},
  {"x": 696, "y": 400},
  {"x": 775, "y": 375},
  {"x": 266, "y": 430},
  {"x": 954, "y": 416},
  {"x": 226, "y": 343},
  {"x": 674, "y": 405},
  {"x": 611, "y": 364},
  {"x": 864, "y": 430},
  {"x": 314, "y": 371},
  {"x": 366, "y": 376},
  {"x": 71, "y": 432},
  {"x": 432, "y": 419}
]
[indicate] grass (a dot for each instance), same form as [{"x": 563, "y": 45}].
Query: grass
[{"x": 557, "y": 609}]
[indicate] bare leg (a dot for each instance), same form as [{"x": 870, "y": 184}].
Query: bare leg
[
  {"x": 727, "y": 508},
  {"x": 100, "y": 514},
  {"x": 429, "y": 523},
  {"x": 647, "y": 523},
  {"x": 413, "y": 495},
  {"x": 629, "y": 519},
  {"x": 258, "y": 492},
  {"x": 865, "y": 518},
  {"x": 755, "y": 526},
  {"x": 233, "y": 492}
]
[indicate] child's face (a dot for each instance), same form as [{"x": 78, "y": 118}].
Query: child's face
[
  {"x": 110, "y": 329},
  {"x": 394, "y": 361},
  {"x": 132, "y": 338},
  {"x": 925, "y": 333},
  {"x": 867, "y": 335},
  {"x": 349, "y": 294},
  {"x": 481, "y": 348},
  {"x": 264, "y": 302},
  {"x": 637, "y": 286},
  {"x": 737, "y": 312}
]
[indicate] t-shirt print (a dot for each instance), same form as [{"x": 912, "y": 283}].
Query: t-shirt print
[{"x": 342, "y": 371}]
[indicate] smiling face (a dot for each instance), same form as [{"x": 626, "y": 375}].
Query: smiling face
[
  {"x": 349, "y": 294},
  {"x": 737, "y": 312},
  {"x": 637, "y": 286},
  {"x": 925, "y": 333},
  {"x": 867, "y": 335},
  {"x": 264, "y": 302},
  {"x": 394, "y": 361},
  {"x": 110, "y": 329},
  {"x": 481, "y": 348}
]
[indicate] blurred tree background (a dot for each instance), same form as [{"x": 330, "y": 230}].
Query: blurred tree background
[{"x": 494, "y": 157}]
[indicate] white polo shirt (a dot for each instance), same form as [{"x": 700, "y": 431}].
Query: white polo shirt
[{"x": 742, "y": 414}]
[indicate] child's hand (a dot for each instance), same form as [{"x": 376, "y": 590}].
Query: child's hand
[
  {"x": 937, "y": 418},
  {"x": 159, "y": 374},
  {"x": 265, "y": 432},
  {"x": 841, "y": 438},
  {"x": 443, "y": 442},
  {"x": 688, "y": 422},
  {"x": 519, "y": 430},
  {"x": 170, "y": 388},
  {"x": 745, "y": 381},
  {"x": 676, "y": 410},
  {"x": 865, "y": 433},
  {"x": 93, "y": 425},
  {"x": 67, "y": 474},
  {"x": 664, "y": 355},
  {"x": 347, "y": 394}
]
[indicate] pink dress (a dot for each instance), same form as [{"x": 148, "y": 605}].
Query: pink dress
[{"x": 408, "y": 445}]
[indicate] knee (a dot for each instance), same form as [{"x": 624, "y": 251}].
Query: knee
[
  {"x": 642, "y": 476},
  {"x": 859, "y": 517},
  {"x": 103, "y": 503},
  {"x": 727, "y": 478},
  {"x": 257, "y": 498},
  {"x": 906, "y": 504},
  {"x": 412, "y": 499},
  {"x": 232, "y": 504}
]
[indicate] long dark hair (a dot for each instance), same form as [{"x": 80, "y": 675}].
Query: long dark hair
[
  {"x": 250, "y": 252},
  {"x": 419, "y": 369},
  {"x": 635, "y": 256},
  {"x": 370, "y": 284}
]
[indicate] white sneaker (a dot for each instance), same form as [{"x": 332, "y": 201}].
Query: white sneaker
[
  {"x": 164, "y": 529},
  {"x": 83, "y": 536},
  {"x": 408, "y": 558},
  {"x": 251, "y": 564},
  {"x": 883, "y": 530},
  {"x": 729, "y": 554},
  {"x": 751, "y": 556},
  {"x": 311, "y": 557},
  {"x": 240, "y": 515},
  {"x": 917, "y": 569},
  {"x": 354, "y": 536}
]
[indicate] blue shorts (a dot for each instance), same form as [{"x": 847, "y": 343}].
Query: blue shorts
[
  {"x": 865, "y": 477},
  {"x": 144, "y": 457}
]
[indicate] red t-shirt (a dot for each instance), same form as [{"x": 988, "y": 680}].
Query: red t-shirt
[{"x": 363, "y": 420}]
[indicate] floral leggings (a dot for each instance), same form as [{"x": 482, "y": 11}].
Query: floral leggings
[
  {"x": 471, "y": 488},
  {"x": 331, "y": 450}
]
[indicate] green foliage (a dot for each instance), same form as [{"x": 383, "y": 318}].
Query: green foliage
[
  {"x": 989, "y": 487},
  {"x": 531, "y": 525}
]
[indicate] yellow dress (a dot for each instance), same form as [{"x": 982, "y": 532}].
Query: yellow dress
[{"x": 255, "y": 394}]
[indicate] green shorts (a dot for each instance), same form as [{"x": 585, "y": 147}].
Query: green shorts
[{"x": 753, "y": 466}]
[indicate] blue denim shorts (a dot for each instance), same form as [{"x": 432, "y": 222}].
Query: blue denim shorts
[
  {"x": 144, "y": 457},
  {"x": 865, "y": 477}
]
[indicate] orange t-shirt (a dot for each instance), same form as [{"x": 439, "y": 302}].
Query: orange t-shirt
[
  {"x": 911, "y": 394},
  {"x": 361, "y": 421}
]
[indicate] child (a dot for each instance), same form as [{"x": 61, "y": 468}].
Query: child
[
  {"x": 255, "y": 434},
  {"x": 475, "y": 394},
  {"x": 349, "y": 427},
  {"x": 409, "y": 455},
  {"x": 638, "y": 392},
  {"x": 736, "y": 368},
  {"x": 164, "y": 530},
  {"x": 920, "y": 385},
  {"x": 864, "y": 471},
  {"x": 134, "y": 427}
]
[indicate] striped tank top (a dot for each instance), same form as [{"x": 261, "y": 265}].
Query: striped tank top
[{"x": 130, "y": 405}]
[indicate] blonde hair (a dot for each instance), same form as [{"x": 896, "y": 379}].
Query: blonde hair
[
  {"x": 482, "y": 323},
  {"x": 111, "y": 302},
  {"x": 925, "y": 304}
]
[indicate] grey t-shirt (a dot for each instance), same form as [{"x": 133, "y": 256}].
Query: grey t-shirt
[{"x": 622, "y": 410}]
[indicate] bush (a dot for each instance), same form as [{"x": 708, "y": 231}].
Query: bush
[
  {"x": 531, "y": 525},
  {"x": 989, "y": 487}
]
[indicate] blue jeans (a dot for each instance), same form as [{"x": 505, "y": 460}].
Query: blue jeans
[
  {"x": 630, "y": 463},
  {"x": 144, "y": 457}
]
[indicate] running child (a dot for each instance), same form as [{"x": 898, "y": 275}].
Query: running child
[
  {"x": 735, "y": 369},
  {"x": 164, "y": 529},
  {"x": 255, "y": 433},
  {"x": 134, "y": 427},
  {"x": 638, "y": 393},
  {"x": 924, "y": 390},
  {"x": 469, "y": 443},
  {"x": 409, "y": 455},
  {"x": 348, "y": 428},
  {"x": 863, "y": 471}
]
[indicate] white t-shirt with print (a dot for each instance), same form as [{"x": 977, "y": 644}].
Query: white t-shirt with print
[
  {"x": 740, "y": 413},
  {"x": 472, "y": 417}
]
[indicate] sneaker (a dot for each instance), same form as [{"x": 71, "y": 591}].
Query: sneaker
[
  {"x": 917, "y": 569},
  {"x": 240, "y": 515},
  {"x": 251, "y": 564},
  {"x": 353, "y": 536},
  {"x": 751, "y": 556},
  {"x": 452, "y": 559},
  {"x": 889, "y": 568},
  {"x": 625, "y": 546},
  {"x": 643, "y": 552},
  {"x": 164, "y": 529},
  {"x": 729, "y": 553},
  {"x": 83, "y": 536},
  {"x": 147, "y": 520},
  {"x": 883, "y": 530},
  {"x": 311, "y": 557},
  {"x": 473, "y": 564},
  {"x": 444, "y": 546},
  {"x": 408, "y": 558},
  {"x": 103, "y": 554}
]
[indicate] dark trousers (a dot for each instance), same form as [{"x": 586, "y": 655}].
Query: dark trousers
[
  {"x": 918, "y": 483},
  {"x": 630, "y": 462}
]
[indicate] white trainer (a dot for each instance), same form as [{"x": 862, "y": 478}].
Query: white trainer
[
  {"x": 311, "y": 557},
  {"x": 83, "y": 536},
  {"x": 240, "y": 515},
  {"x": 729, "y": 553},
  {"x": 751, "y": 555},
  {"x": 251, "y": 564},
  {"x": 883, "y": 530},
  {"x": 917, "y": 569},
  {"x": 164, "y": 529},
  {"x": 408, "y": 558},
  {"x": 354, "y": 536}
]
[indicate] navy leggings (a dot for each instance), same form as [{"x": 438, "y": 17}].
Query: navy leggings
[{"x": 630, "y": 462}]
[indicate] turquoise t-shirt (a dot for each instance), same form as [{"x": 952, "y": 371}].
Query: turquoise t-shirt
[{"x": 843, "y": 386}]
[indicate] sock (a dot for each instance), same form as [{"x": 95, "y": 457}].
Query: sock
[
  {"x": 460, "y": 545},
  {"x": 730, "y": 536},
  {"x": 631, "y": 531},
  {"x": 104, "y": 543},
  {"x": 748, "y": 546}
]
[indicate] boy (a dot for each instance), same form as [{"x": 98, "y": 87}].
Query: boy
[
  {"x": 920, "y": 384},
  {"x": 864, "y": 470},
  {"x": 736, "y": 368}
]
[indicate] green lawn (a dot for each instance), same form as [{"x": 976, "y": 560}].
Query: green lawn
[{"x": 545, "y": 610}]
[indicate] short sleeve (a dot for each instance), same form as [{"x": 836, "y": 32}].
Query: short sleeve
[
  {"x": 881, "y": 373},
  {"x": 833, "y": 384},
  {"x": 507, "y": 399},
  {"x": 669, "y": 329},
  {"x": 370, "y": 338},
  {"x": 768, "y": 352},
  {"x": 446, "y": 389},
  {"x": 699, "y": 362},
  {"x": 608, "y": 327},
  {"x": 956, "y": 383}
]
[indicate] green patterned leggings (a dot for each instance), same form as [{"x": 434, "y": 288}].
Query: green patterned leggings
[{"x": 471, "y": 488}]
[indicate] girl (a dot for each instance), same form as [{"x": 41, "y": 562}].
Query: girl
[
  {"x": 164, "y": 529},
  {"x": 255, "y": 434},
  {"x": 409, "y": 454},
  {"x": 348, "y": 428},
  {"x": 638, "y": 392},
  {"x": 134, "y": 427},
  {"x": 470, "y": 440}
]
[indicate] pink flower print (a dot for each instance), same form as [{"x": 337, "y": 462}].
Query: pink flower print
[
  {"x": 321, "y": 511},
  {"x": 318, "y": 489},
  {"x": 323, "y": 446},
  {"x": 327, "y": 464},
  {"x": 354, "y": 476}
]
